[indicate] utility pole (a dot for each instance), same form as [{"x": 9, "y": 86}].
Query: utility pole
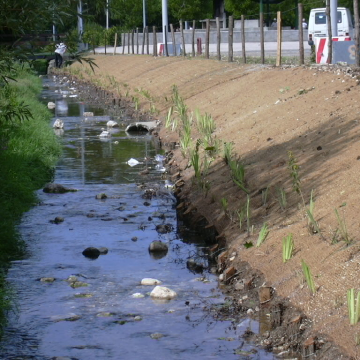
[
  {"x": 107, "y": 14},
  {"x": 80, "y": 25},
  {"x": 334, "y": 17},
  {"x": 165, "y": 23},
  {"x": 144, "y": 14}
]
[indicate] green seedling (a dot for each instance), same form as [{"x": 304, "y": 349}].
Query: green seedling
[
  {"x": 282, "y": 198},
  {"x": 353, "y": 308},
  {"x": 342, "y": 230},
  {"x": 288, "y": 247},
  {"x": 264, "y": 232},
  {"x": 308, "y": 276},
  {"x": 313, "y": 225}
]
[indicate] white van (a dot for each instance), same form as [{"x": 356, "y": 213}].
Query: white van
[{"x": 317, "y": 26}]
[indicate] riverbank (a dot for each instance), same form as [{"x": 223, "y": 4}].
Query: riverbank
[
  {"x": 265, "y": 112},
  {"x": 28, "y": 153}
]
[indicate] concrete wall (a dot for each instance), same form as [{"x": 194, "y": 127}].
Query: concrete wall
[{"x": 251, "y": 35}]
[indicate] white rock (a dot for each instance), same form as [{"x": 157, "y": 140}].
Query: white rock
[
  {"x": 149, "y": 281},
  {"x": 137, "y": 295},
  {"x": 51, "y": 105},
  {"x": 162, "y": 292},
  {"x": 58, "y": 124},
  {"x": 112, "y": 124},
  {"x": 105, "y": 134},
  {"x": 88, "y": 113},
  {"x": 133, "y": 162}
]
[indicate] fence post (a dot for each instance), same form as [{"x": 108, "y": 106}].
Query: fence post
[
  {"x": 166, "y": 50},
  {"x": 105, "y": 41},
  {"x": 143, "y": 43},
  {"x": 182, "y": 37},
  {"x": 279, "y": 38},
  {"x": 154, "y": 41},
  {"x": 137, "y": 40},
  {"x": 243, "y": 38},
  {"x": 128, "y": 44},
  {"x": 147, "y": 39},
  {"x": 173, "y": 39},
  {"x": 218, "y": 38},
  {"x": 231, "y": 39},
  {"x": 207, "y": 39},
  {"x": 115, "y": 43},
  {"x": 262, "y": 38},
  {"x": 132, "y": 42},
  {"x": 193, "y": 39},
  {"x": 301, "y": 34},
  {"x": 357, "y": 33}
]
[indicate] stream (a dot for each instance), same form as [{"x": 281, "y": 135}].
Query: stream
[{"x": 69, "y": 306}]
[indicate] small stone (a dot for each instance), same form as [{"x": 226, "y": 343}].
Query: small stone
[
  {"x": 137, "y": 318},
  {"x": 158, "y": 246},
  {"x": 101, "y": 196},
  {"x": 47, "y": 279},
  {"x": 91, "y": 252},
  {"x": 78, "y": 284},
  {"x": 250, "y": 311},
  {"x": 156, "y": 336},
  {"x": 162, "y": 292},
  {"x": 134, "y": 238},
  {"x": 149, "y": 281},
  {"x": 103, "y": 250},
  {"x": 137, "y": 295}
]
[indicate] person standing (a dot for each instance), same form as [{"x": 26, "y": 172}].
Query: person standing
[
  {"x": 304, "y": 24},
  {"x": 59, "y": 52}
]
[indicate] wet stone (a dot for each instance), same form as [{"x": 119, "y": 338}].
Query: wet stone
[
  {"x": 77, "y": 284},
  {"x": 158, "y": 246},
  {"x": 103, "y": 250},
  {"x": 56, "y": 189},
  {"x": 101, "y": 196},
  {"x": 91, "y": 252},
  {"x": 47, "y": 279},
  {"x": 156, "y": 336},
  {"x": 57, "y": 220},
  {"x": 164, "y": 228}
]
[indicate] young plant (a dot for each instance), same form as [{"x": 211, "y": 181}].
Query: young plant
[
  {"x": 224, "y": 204},
  {"x": 195, "y": 162},
  {"x": 288, "y": 247},
  {"x": 241, "y": 213},
  {"x": 294, "y": 172},
  {"x": 308, "y": 276},
  {"x": 264, "y": 232},
  {"x": 238, "y": 174},
  {"x": 282, "y": 198},
  {"x": 248, "y": 214},
  {"x": 343, "y": 228},
  {"x": 264, "y": 196},
  {"x": 313, "y": 226},
  {"x": 228, "y": 147},
  {"x": 354, "y": 309}
]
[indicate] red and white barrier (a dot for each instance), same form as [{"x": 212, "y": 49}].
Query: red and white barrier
[{"x": 321, "y": 48}]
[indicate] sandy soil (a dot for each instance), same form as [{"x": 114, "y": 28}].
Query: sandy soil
[{"x": 266, "y": 112}]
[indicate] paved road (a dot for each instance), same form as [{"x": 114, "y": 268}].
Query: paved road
[{"x": 290, "y": 48}]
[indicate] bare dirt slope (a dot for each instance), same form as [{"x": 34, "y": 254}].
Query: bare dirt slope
[{"x": 266, "y": 112}]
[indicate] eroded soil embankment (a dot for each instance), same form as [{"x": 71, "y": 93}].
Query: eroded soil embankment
[{"x": 265, "y": 113}]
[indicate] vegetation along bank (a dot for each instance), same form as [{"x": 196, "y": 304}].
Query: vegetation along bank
[
  {"x": 29, "y": 150},
  {"x": 269, "y": 159}
]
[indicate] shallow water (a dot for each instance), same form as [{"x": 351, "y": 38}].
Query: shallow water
[{"x": 102, "y": 320}]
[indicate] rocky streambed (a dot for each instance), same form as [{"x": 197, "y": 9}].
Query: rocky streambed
[{"x": 112, "y": 271}]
